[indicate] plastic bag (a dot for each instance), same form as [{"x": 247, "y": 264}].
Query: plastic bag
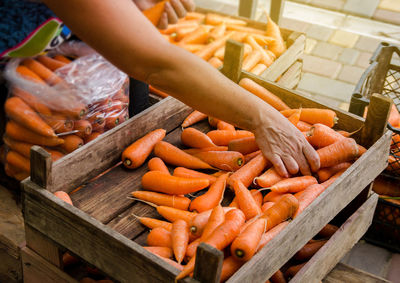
[{"x": 61, "y": 103}]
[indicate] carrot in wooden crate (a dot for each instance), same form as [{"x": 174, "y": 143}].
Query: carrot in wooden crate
[
  {"x": 160, "y": 251},
  {"x": 60, "y": 123},
  {"x": 308, "y": 196},
  {"x": 306, "y": 252},
  {"x": 192, "y": 137},
  {"x": 91, "y": 137},
  {"x": 293, "y": 185},
  {"x": 278, "y": 46},
  {"x": 282, "y": 210},
  {"x": 245, "y": 200},
  {"x": 224, "y": 160},
  {"x": 71, "y": 143},
  {"x": 156, "y": 164},
  {"x": 328, "y": 231},
  {"x": 173, "y": 214},
  {"x": 341, "y": 151},
  {"x": 251, "y": 60},
  {"x": 208, "y": 51},
  {"x": 215, "y": 19},
  {"x": 221, "y": 125},
  {"x": 249, "y": 171},
  {"x": 18, "y": 161},
  {"x": 223, "y": 137},
  {"x": 325, "y": 173},
  {"x": 193, "y": 118},
  {"x": 215, "y": 62},
  {"x": 32, "y": 101},
  {"x": 188, "y": 173},
  {"x": 265, "y": 57},
  {"x": 154, "y": 223},
  {"x": 63, "y": 196},
  {"x": 259, "y": 69},
  {"x": 198, "y": 36},
  {"x": 321, "y": 135},
  {"x": 314, "y": 115},
  {"x": 268, "y": 178},
  {"x": 217, "y": 32},
  {"x": 229, "y": 267},
  {"x": 250, "y": 156},
  {"x": 159, "y": 237},
  {"x": 163, "y": 199},
  {"x": 243, "y": 145}
]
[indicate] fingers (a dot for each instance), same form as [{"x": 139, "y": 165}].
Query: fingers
[
  {"x": 179, "y": 8},
  {"x": 189, "y": 5},
  {"x": 278, "y": 165},
  {"x": 291, "y": 164},
  {"x": 163, "y": 23},
  {"x": 303, "y": 165},
  {"x": 312, "y": 157},
  {"x": 172, "y": 16}
]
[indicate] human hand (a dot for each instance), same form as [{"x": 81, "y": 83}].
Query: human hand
[
  {"x": 285, "y": 146},
  {"x": 174, "y": 9}
]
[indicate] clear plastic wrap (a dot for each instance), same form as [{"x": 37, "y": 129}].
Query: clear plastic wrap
[{"x": 61, "y": 101}]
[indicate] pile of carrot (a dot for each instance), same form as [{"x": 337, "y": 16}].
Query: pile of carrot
[
  {"x": 227, "y": 158},
  {"x": 59, "y": 129}
]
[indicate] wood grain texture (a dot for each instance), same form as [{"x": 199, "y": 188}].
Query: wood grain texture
[
  {"x": 208, "y": 264},
  {"x": 291, "y": 78},
  {"x": 10, "y": 268},
  {"x": 233, "y": 59},
  {"x": 90, "y": 160},
  {"x": 345, "y": 273},
  {"x": 41, "y": 166},
  {"x": 313, "y": 218},
  {"x": 248, "y": 8},
  {"x": 37, "y": 270},
  {"x": 339, "y": 244}
]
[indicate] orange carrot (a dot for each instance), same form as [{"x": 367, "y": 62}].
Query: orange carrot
[
  {"x": 245, "y": 30},
  {"x": 20, "y": 133},
  {"x": 258, "y": 198},
  {"x": 59, "y": 123},
  {"x": 266, "y": 58},
  {"x": 159, "y": 237},
  {"x": 182, "y": 32},
  {"x": 394, "y": 116},
  {"x": 198, "y": 223},
  {"x": 187, "y": 173},
  {"x": 314, "y": 116},
  {"x": 32, "y": 101},
  {"x": 249, "y": 171},
  {"x": 192, "y": 151},
  {"x": 295, "y": 117},
  {"x": 175, "y": 156},
  {"x": 215, "y": 62},
  {"x": 263, "y": 93},
  {"x": 160, "y": 251},
  {"x": 223, "y": 137},
  {"x": 306, "y": 252},
  {"x": 320, "y": 136},
  {"x": 343, "y": 150},
  {"x": 229, "y": 267},
  {"x": 154, "y": 223},
  {"x": 278, "y": 46},
  {"x": 165, "y": 183},
  {"x": 361, "y": 150},
  {"x": 251, "y": 60},
  {"x": 224, "y": 160},
  {"x": 292, "y": 271},
  {"x": 250, "y": 156},
  {"x": 303, "y": 126},
  {"x": 192, "y": 248},
  {"x": 217, "y": 32},
  {"x": 156, "y": 164},
  {"x": 244, "y": 145},
  {"x": 192, "y": 137},
  {"x": 135, "y": 154},
  {"x": 163, "y": 199},
  {"x": 325, "y": 173},
  {"x": 193, "y": 118},
  {"x": 19, "y": 111},
  {"x": 221, "y": 125},
  {"x": 258, "y": 69},
  {"x": 267, "y": 205},
  {"x": 268, "y": 178},
  {"x": 180, "y": 239},
  {"x": 245, "y": 245},
  {"x": 245, "y": 200},
  {"x": 71, "y": 143},
  {"x": 18, "y": 161},
  {"x": 272, "y": 196},
  {"x": 308, "y": 196},
  {"x": 208, "y": 51},
  {"x": 63, "y": 196},
  {"x": 83, "y": 127},
  {"x": 50, "y": 63},
  {"x": 284, "y": 209},
  {"x": 198, "y": 36},
  {"x": 173, "y": 214},
  {"x": 62, "y": 58},
  {"x": 213, "y": 121},
  {"x": 43, "y": 72},
  {"x": 270, "y": 234},
  {"x": 212, "y": 197},
  {"x": 91, "y": 137},
  {"x": 293, "y": 185},
  {"x": 154, "y": 13},
  {"x": 278, "y": 277},
  {"x": 158, "y": 92},
  {"x": 29, "y": 74},
  {"x": 215, "y": 19},
  {"x": 328, "y": 231}
]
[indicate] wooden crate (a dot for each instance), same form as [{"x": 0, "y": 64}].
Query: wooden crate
[{"x": 100, "y": 227}]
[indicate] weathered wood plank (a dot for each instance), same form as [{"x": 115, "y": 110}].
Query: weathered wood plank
[
  {"x": 38, "y": 270},
  {"x": 247, "y": 8},
  {"x": 208, "y": 264},
  {"x": 121, "y": 258},
  {"x": 339, "y": 244},
  {"x": 345, "y": 273},
  {"x": 276, "y": 10},
  {"x": 291, "y": 78},
  {"x": 40, "y": 166},
  {"x": 10, "y": 268},
  {"x": 312, "y": 219},
  {"x": 233, "y": 60},
  {"x": 77, "y": 167}
]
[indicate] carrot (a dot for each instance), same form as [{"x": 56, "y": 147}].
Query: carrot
[
  {"x": 44, "y": 73},
  {"x": 18, "y": 161},
  {"x": 156, "y": 164},
  {"x": 173, "y": 263},
  {"x": 50, "y": 63},
  {"x": 135, "y": 154},
  {"x": 306, "y": 252},
  {"x": 20, "y": 112},
  {"x": 341, "y": 151},
  {"x": 213, "y": 121},
  {"x": 361, "y": 150},
  {"x": 394, "y": 116},
  {"x": 217, "y": 217},
  {"x": 215, "y": 62},
  {"x": 250, "y": 156},
  {"x": 20, "y": 133},
  {"x": 282, "y": 210},
  {"x": 328, "y": 231},
  {"x": 62, "y": 58},
  {"x": 175, "y": 156},
  {"x": 263, "y": 40},
  {"x": 165, "y": 183},
  {"x": 314, "y": 116},
  {"x": 244, "y": 145},
  {"x": 221, "y": 125},
  {"x": 198, "y": 223},
  {"x": 111, "y": 121},
  {"x": 278, "y": 277},
  {"x": 229, "y": 267},
  {"x": 223, "y": 137},
  {"x": 173, "y": 214},
  {"x": 292, "y": 271},
  {"x": 208, "y": 51},
  {"x": 29, "y": 74},
  {"x": 91, "y": 137},
  {"x": 192, "y": 151},
  {"x": 321, "y": 135},
  {"x": 272, "y": 196},
  {"x": 198, "y": 36},
  {"x": 159, "y": 237},
  {"x": 332, "y": 179},
  {"x": 68, "y": 259},
  {"x": 258, "y": 69},
  {"x": 245, "y": 30},
  {"x": 195, "y": 16},
  {"x": 303, "y": 126},
  {"x": 59, "y": 123},
  {"x": 245, "y": 245},
  {"x": 295, "y": 117},
  {"x": 265, "y": 58},
  {"x": 386, "y": 186},
  {"x": 308, "y": 196},
  {"x": 263, "y": 93},
  {"x": 278, "y": 46},
  {"x": 155, "y": 91},
  {"x": 63, "y": 196},
  {"x": 192, "y": 248},
  {"x": 215, "y": 19},
  {"x": 182, "y": 32},
  {"x": 249, "y": 171},
  {"x": 251, "y": 60},
  {"x": 32, "y": 101},
  {"x": 180, "y": 239},
  {"x": 217, "y": 32},
  {"x": 212, "y": 197},
  {"x": 224, "y": 160},
  {"x": 325, "y": 173},
  {"x": 154, "y": 223},
  {"x": 293, "y": 185},
  {"x": 160, "y": 251},
  {"x": 171, "y": 29},
  {"x": 245, "y": 200},
  {"x": 221, "y": 237},
  {"x": 268, "y": 178},
  {"x": 258, "y": 198},
  {"x": 163, "y": 199},
  {"x": 192, "y": 137},
  {"x": 154, "y": 13},
  {"x": 20, "y": 147},
  {"x": 83, "y": 127},
  {"x": 270, "y": 234},
  {"x": 187, "y": 173},
  {"x": 266, "y": 205},
  {"x": 71, "y": 143}
]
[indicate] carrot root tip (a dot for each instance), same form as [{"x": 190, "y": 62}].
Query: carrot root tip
[
  {"x": 193, "y": 229},
  {"x": 127, "y": 162}
]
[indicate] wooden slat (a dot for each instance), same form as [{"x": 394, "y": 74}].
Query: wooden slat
[
  {"x": 94, "y": 242},
  {"x": 345, "y": 273},
  {"x": 339, "y": 244},
  {"x": 313, "y": 218},
  {"x": 77, "y": 167},
  {"x": 291, "y": 77},
  {"x": 247, "y": 8},
  {"x": 208, "y": 264},
  {"x": 276, "y": 10},
  {"x": 40, "y": 166},
  {"x": 233, "y": 60}
]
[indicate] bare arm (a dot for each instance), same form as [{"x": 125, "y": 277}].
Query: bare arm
[{"x": 119, "y": 31}]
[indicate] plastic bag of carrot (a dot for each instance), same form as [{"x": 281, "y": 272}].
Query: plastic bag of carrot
[{"x": 60, "y": 101}]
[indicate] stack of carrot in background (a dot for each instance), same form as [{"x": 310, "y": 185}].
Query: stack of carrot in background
[
  {"x": 253, "y": 217},
  {"x": 46, "y": 109},
  {"x": 205, "y": 35}
]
